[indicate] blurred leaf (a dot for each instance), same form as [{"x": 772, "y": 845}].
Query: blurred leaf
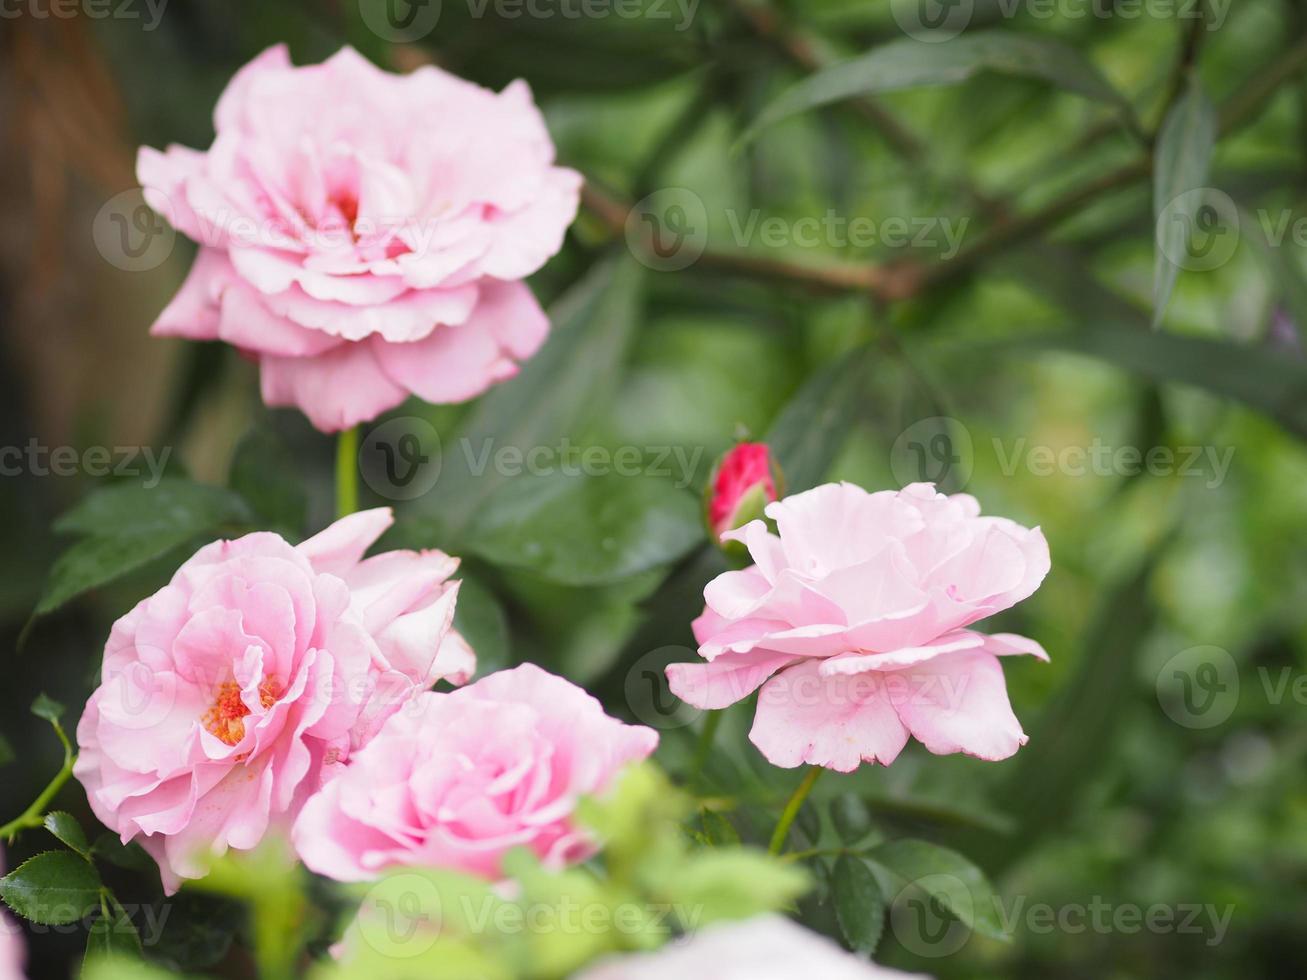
[
  {"x": 262, "y": 473},
  {"x": 131, "y": 857},
  {"x": 113, "y": 935},
  {"x": 909, "y": 63},
  {"x": 588, "y": 530},
  {"x": 576, "y": 371},
  {"x": 1262, "y": 379},
  {"x": 851, "y": 817},
  {"x": 128, "y": 525},
  {"x": 1288, "y": 281},
  {"x": 734, "y": 883},
  {"x": 53, "y": 888},
  {"x": 65, "y": 827},
  {"x": 811, "y": 430},
  {"x": 1184, "y": 153},
  {"x": 480, "y": 618},
  {"x": 859, "y": 905},
  {"x": 959, "y": 885},
  {"x": 47, "y": 708},
  {"x": 198, "y": 930},
  {"x": 6, "y": 751}
]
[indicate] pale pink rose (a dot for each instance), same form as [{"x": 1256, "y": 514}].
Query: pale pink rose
[
  {"x": 743, "y": 473},
  {"x": 364, "y": 234},
  {"x": 769, "y": 947},
  {"x": 456, "y": 780},
  {"x": 854, "y": 624},
  {"x": 13, "y": 952},
  {"x": 227, "y": 695}
]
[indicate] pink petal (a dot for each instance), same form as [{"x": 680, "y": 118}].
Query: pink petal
[
  {"x": 336, "y": 390},
  {"x": 339, "y": 547},
  {"x": 836, "y": 722},
  {"x": 726, "y": 680},
  {"x": 957, "y": 702}
]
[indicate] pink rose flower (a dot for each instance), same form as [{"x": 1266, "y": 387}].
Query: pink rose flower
[
  {"x": 456, "y": 780},
  {"x": 744, "y": 473},
  {"x": 226, "y": 694},
  {"x": 769, "y": 947},
  {"x": 853, "y": 622},
  {"x": 363, "y": 234},
  {"x": 13, "y": 952}
]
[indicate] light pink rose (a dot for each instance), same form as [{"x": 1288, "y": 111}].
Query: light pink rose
[
  {"x": 769, "y": 947},
  {"x": 13, "y": 952},
  {"x": 226, "y": 694},
  {"x": 853, "y": 622},
  {"x": 363, "y": 234},
  {"x": 455, "y": 780}
]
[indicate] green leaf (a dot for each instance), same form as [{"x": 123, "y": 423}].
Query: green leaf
[
  {"x": 262, "y": 473},
  {"x": 65, "y": 827},
  {"x": 113, "y": 934},
  {"x": 1260, "y": 378},
  {"x": 726, "y": 883},
  {"x": 480, "y": 618},
  {"x": 859, "y": 904},
  {"x": 47, "y": 708},
  {"x": 1288, "y": 281},
  {"x": 814, "y": 425},
  {"x": 129, "y": 525},
  {"x": 135, "y": 508},
  {"x": 587, "y": 530},
  {"x": 1184, "y": 154},
  {"x": 851, "y": 817},
  {"x": 909, "y": 63},
  {"x": 129, "y": 856},
  {"x": 577, "y": 371},
  {"x": 53, "y": 888},
  {"x": 946, "y": 875}
]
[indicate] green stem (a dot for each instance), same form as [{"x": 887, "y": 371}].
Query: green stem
[
  {"x": 792, "y": 809},
  {"x": 34, "y": 815},
  {"x": 707, "y": 735},
  {"x": 347, "y": 472}
]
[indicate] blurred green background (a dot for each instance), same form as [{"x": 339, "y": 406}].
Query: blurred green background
[{"x": 1031, "y": 348}]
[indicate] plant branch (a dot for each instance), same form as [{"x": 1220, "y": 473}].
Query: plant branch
[
  {"x": 792, "y": 809},
  {"x": 34, "y": 815}
]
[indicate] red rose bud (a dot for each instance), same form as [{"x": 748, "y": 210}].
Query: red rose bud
[{"x": 744, "y": 481}]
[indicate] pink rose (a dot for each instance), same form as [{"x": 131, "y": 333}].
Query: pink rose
[
  {"x": 742, "y": 484},
  {"x": 363, "y": 234},
  {"x": 455, "y": 780},
  {"x": 769, "y": 947},
  {"x": 853, "y": 622},
  {"x": 225, "y": 694},
  {"x": 13, "y": 953}
]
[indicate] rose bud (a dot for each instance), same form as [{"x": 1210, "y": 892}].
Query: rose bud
[{"x": 743, "y": 482}]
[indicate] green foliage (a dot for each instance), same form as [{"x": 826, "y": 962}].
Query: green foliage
[
  {"x": 859, "y": 904},
  {"x": 54, "y": 888},
  {"x": 124, "y": 526}
]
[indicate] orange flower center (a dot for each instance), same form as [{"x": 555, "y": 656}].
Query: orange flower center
[{"x": 226, "y": 719}]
